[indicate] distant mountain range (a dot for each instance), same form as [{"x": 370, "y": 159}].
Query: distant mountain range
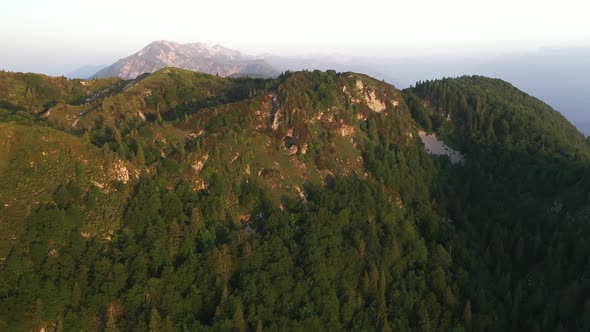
[
  {"x": 193, "y": 56},
  {"x": 84, "y": 71}
]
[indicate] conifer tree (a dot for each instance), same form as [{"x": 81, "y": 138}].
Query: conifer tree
[
  {"x": 140, "y": 155},
  {"x": 467, "y": 316},
  {"x": 239, "y": 322},
  {"x": 111, "y": 325},
  {"x": 155, "y": 321}
]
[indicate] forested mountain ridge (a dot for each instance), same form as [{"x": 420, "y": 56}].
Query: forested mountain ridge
[
  {"x": 523, "y": 201},
  {"x": 494, "y": 113},
  {"x": 37, "y": 93},
  {"x": 183, "y": 201},
  {"x": 268, "y": 128},
  {"x": 504, "y": 131}
]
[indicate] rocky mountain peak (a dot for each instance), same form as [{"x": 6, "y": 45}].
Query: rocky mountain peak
[{"x": 191, "y": 56}]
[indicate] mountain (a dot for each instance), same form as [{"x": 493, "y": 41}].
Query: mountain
[
  {"x": 523, "y": 193},
  {"x": 558, "y": 76},
  {"x": 513, "y": 121},
  {"x": 180, "y": 200},
  {"x": 195, "y": 56}
]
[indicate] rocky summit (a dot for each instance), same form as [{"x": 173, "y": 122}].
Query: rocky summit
[{"x": 216, "y": 60}]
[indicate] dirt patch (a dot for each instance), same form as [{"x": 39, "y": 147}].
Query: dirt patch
[
  {"x": 346, "y": 131},
  {"x": 437, "y": 147}
]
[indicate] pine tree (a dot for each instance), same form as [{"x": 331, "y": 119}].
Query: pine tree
[
  {"x": 220, "y": 310},
  {"x": 155, "y": 321},
  {"x": 111, "y": 325},
  {"x": 424, "y": 322},
  {"x": 181, "y": 150},
  {"x": 467, "y": 316},
  {"x": 168, "y": 325},
  {"x": 223, "y": 262},
  {"x": 383, "y": 314},
  {"x": 76, "y": 296},
  {"x": 140, "y": 155},
  {"x": 60, "y": 325},
  {"x": 86, "y": 137},
  {"x": 197, "y": 218},
  {"x": 80, "y": 173},
  {"x": 239, "y": 322},
  {"x": 175, "y": 239},
  {"x": 158, "y": 115},
  {"x": 117, "y": 135}
]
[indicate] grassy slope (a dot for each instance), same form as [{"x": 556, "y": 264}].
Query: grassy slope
[
  {"x": 209, "y": 126},
  {"x": 36, "y": 160},
  {"x": 37, "y": 93}
]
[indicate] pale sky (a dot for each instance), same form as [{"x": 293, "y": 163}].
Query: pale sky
[{"x": 54, "y": 36}]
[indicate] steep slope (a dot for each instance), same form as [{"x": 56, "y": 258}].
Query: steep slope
[
  {"x": 303, "y": 126},
  {"x": 196, "y": 57},
  {"x": 38, "y": 164},
  {"x": 521, "y": 203},
  {"x": 489, "y": 115},
  {"x": 300, "y": 129}
]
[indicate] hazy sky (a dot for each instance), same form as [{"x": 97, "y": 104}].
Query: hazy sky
[{"x": 54, "y": 36}]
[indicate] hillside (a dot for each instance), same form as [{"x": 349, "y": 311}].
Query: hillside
[
  {"x": 216, "y": 60},
  {"x": 491, "y": 113},
  {"x": 187, "y": 201},
  {"x": 521, "y": 203},
  {"x": 37, "y": 93},
  {"x": 207, "y": 126}
]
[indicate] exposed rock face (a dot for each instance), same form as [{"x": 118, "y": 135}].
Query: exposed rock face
[
  {"x": 275, "y": 120},
  {"x": 275, "y": 113},
  {"x": 120, "y": 172},
  {"x": 359, "y": 85},
  {"x": 199, "y": 164},
  {"x": 197, "y": 57},
  {"x": 368, "y": 96},
  {"x": 374, "y": 103}
]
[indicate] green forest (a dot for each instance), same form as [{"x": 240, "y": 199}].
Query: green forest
[{"x": 182, "y": 201}]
